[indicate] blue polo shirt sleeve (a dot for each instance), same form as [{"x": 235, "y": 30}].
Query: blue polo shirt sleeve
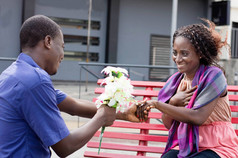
[
  {"x": 60, "y": 96},
  {"x": 42, "y": 113}
]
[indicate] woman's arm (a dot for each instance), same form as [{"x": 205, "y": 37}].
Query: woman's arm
[
  {"x": 182, "y": 114},
  {"x": 167, "y": 121}
]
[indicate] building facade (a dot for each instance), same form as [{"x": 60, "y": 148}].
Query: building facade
[{"x": 122, "y": 32}]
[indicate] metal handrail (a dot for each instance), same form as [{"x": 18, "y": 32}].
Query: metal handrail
[
  {"x": 83, "y": 65},
  {"x": 128, "y": 65},
  {"x": 7, "y": 59}
]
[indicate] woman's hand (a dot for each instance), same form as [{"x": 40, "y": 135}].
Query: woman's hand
[
  {"x": 142, "y": 110},
  {"x": 182, "y": 97}
]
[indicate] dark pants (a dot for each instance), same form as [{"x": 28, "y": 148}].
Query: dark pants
[{"x": 203, "y": 154}]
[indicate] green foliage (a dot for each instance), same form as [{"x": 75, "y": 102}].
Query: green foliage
[{"x": 117, "y": 74}]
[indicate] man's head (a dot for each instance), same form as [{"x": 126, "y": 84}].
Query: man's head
[
  {"x": 35, "y": 29},
  {"x": 42, "y": 39}
]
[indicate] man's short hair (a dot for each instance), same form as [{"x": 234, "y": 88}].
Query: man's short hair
[{"x": 35, "y": 29}]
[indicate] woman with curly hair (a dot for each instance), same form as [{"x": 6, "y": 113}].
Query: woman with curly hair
[{"x": 194, "y": 101}]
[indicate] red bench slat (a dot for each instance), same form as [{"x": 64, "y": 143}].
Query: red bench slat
[
  {"x": 142, "y": 83},
  {"x": 151, "y": 93},
  {"x": 129, "y": 136},
  {"x": 145, "y": 93},
  {"x": 139, "y": 125},
  {"x": 147, "y": 84},
  {"x": 236, "y": 130},
  {"x": 234, "y": 108},
  {"x": 232, "y": 88},
  {"x": 234, "y": 120},
  {"x": 110, "y": 155},
  {"x": 114, "y": 146},
  {"x": 233, "y": 97},
  {"x": 156, "y": 115}
]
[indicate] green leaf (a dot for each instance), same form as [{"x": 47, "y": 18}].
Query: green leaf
[{"x": 117, "y": 74}]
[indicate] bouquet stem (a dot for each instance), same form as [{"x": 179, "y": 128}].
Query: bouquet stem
[{"x": 100, "y": 137}]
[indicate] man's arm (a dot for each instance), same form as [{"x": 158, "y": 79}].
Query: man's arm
[
  {"x": 84, "y": 108},
  {"x": 79, "y": 137},
  {"x": 78, "y": 107}
]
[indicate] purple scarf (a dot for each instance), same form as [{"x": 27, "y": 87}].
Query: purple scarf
[{"x": 211, "y": 83}]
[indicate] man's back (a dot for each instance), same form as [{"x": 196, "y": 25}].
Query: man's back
[{"x": 22, "y": 87}]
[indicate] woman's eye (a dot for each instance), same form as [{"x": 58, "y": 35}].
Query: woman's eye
[
  {"x": 174, "y": 53},
  {"x": 185, "y": 54}
]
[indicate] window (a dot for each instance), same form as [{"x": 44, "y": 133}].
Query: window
[
  {"x": 76, "y": 23},
  {"x": 77, "y": 42},
  {"x": 159, "y": 55},
  {"x": 81, "y": 56},
  {"x": 81, "y": 40},
  {"x": 234, "y": 40}
]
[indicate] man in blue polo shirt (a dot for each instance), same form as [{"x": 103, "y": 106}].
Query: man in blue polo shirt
[{"x": 30, "y": 120}]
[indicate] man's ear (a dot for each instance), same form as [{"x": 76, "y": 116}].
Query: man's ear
[{"x": 47, "y": 41}]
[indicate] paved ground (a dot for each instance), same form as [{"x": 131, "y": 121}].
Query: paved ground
[{"x": 73, "y": 122}]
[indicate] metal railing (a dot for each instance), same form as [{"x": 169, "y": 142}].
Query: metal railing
[
  {"x": 5, "y": 62},
  {"x": 7, "y": 59},
  {"x": 85, "y": 66}
]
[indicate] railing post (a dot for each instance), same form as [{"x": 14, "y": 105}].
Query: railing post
[
  {"x": 235, "y": 83},
  {"x": 144, "y": 131}
]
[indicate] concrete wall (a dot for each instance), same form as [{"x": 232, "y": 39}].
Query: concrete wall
[
  {"x": 76, "y": 9},
  {"x": 10, "y": 23},
  {"x": 234, "y": 10},
  {"x": 230, "y": 66}
]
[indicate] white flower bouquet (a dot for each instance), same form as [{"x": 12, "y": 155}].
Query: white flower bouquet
[
  {"x": 118, "y": 89},
  {"x": 117, "y": 92}
]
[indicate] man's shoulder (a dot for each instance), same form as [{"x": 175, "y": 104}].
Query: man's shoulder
[{"x": 28, "y": 75}]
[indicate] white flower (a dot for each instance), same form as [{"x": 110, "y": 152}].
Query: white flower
[
  {"x": 118, "y": 89},
  {"x": 108, "y": 70}
]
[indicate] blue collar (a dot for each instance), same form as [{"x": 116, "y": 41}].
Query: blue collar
[{"x": 26, "y": 58}]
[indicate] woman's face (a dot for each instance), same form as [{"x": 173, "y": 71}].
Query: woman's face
[{"x": 185, "y": 56}]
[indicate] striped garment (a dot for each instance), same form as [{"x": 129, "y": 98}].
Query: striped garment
[{"x": 211, "y": 83}]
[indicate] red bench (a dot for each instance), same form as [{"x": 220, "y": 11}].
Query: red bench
[{"x": 137, "y": 140}]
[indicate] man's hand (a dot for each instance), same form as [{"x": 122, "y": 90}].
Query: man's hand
[
  {"x": 108, "y": 114},
  {"x": 135, "y": 113},
  {"x": 130, "y": 113}
]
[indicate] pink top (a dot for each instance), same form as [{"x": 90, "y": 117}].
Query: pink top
[{"x": 217, "y": 133}]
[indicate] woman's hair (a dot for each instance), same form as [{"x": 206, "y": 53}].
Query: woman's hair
[
  {"x": 36, "y": 29},
  {"x": 206, "y": 41}
]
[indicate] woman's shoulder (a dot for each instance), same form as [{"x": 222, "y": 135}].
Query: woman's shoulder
[{"x": 214, "y": 71}]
